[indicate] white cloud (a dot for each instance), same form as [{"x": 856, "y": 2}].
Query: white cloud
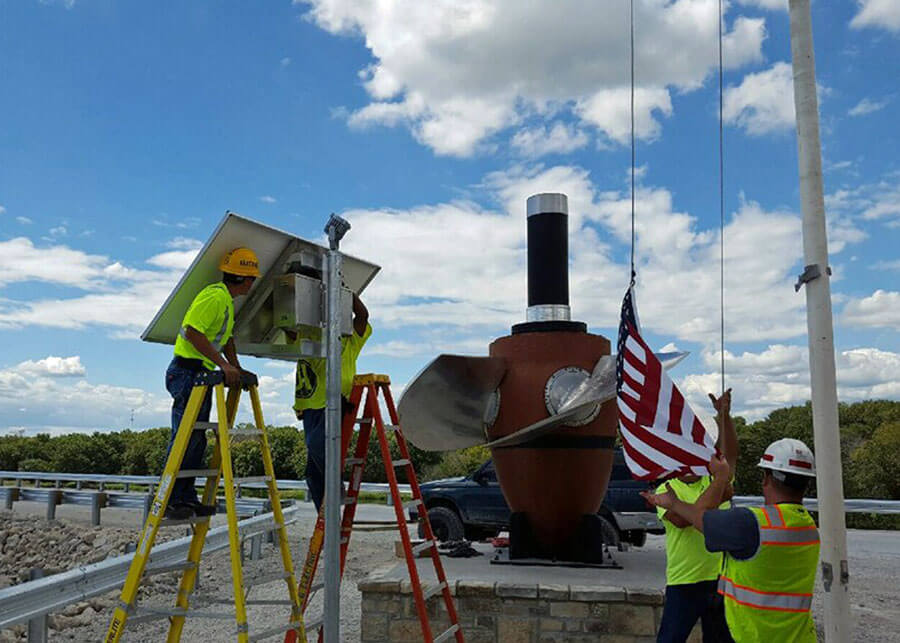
[
  {"x": 779, "y": 376},
  {"x": 887, "y": 265},
  {"x": 763, "y": 102},
  {"x": 53, "y": 366},
  {"x": 610, "y": 111},
  {"x": 867, "y": 106},
  {"x": 880, "y": 309},
  {"x": 24, "y": 220},
  {"x": 461, "y": 267},
  {"x": 2, "y": 210},
  {"x": 21, "y": 260},
  {"x": 284, "y": 62},
  {"x": 184, "y": 243},
  {"x": 458, "y": 73},
  {"x": 877, "y": 13},
  {"x": 174, "y": 259},
  {"x": 59, "y": 231},
  {"x": 268, "y": 199},
  {"x": 878, "y": 201},
  {"x": 540, "y": 141}
]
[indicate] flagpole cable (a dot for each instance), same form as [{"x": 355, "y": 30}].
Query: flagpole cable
[
  {"x": 631, "y": 51},
  {"x": 721, "y": 206}
]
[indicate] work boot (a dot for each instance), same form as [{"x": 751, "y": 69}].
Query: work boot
[
  {"x": 178, "y": 511},
  {"x": 200, "y": 510}
]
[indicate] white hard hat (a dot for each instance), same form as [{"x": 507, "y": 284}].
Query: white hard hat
[{"x": 790, "y": 456}]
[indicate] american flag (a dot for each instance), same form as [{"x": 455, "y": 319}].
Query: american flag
[{"x": 661, "y": 435}]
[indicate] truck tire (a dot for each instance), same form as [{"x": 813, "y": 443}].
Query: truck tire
[
  {"x": 637, "y": 537},
  {"x": 610, "y": 533},
  {"x": 445, "y": 524}
]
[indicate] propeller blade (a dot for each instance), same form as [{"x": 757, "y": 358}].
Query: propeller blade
[{"x": 443, "y": 408}]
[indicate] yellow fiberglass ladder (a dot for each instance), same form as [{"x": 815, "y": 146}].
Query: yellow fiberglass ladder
[{"x": 220, "y": 466}]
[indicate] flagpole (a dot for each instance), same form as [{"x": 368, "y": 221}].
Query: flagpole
[{"x": 816, "y": 277}]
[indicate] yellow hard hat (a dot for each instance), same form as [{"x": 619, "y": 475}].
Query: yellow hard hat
[{"x": 240, "y": 261}]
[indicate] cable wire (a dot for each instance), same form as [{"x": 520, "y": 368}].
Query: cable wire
[
  {"x": 631, "y": 52},
  {"x": 721, "y": 205}
]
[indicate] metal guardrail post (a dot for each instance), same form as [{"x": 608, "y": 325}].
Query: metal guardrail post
[
  {"x": 148, "y": 502},
  {"x": 52, "y": 501},
  {"x": 256, "y": 547},
  {"x": 389, "y": 499},
  {"x": 11, "y": 495},
  {"x": 37, "y": 627},
  {"x": 98, "y": 500},
  {"x": 127, "y": 487},
  {"x": 78, "y": 484}
]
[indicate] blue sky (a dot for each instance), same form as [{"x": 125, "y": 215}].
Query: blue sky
[{"x": 127, "y": 129}]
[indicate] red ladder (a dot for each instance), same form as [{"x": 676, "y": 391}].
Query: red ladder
[{"x": 369, "y": 415}]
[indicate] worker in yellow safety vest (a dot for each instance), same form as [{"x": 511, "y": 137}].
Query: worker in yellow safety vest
[
  {"x": 204, "y": 342},
  {"x": 692, "y": 572},
  {"x": 771, "y": 552}
]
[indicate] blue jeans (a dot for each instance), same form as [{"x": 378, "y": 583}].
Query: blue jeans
[
  {"x": 685, "y": 604},
  {"x": 314, "y": 434},
  {"x": 179, "y": 382}
]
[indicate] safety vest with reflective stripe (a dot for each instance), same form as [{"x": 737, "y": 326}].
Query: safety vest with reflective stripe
[
  {"x": 211, "y": 313},
  {"x": 768, "y": 597}
]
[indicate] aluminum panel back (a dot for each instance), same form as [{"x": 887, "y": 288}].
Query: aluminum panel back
[{"x": 253, "y": 328}]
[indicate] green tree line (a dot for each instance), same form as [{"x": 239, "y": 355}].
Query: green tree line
[{"x": 870, "y": 449}]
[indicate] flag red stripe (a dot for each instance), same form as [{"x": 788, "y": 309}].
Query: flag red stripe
[
  {"x": 676, "y": 408},
  {"x": 698, "y": 432},
  {"x": 661, "y": 445},
  {"x": 653, "y": 469}
]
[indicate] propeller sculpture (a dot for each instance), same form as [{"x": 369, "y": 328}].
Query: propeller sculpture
[{"x": 543, "y": 401}]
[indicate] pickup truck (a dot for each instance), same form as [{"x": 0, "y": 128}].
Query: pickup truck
[{"x": 473, "y": 507}]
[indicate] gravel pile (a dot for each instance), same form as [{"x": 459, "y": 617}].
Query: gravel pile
[{"x": 58, "y": 545}]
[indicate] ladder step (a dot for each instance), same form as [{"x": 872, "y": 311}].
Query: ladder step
[
  {"x": 206, "y": 426},
  {"x": 293, "y": 625},
  {"x": 144, "y": 614},
  {"x": 315, "y": 623},
  {"x": 447, "y": 634},
  {"x": 391, "y": 427},
  {"x": 402, "y": 462},
  {"x": 352, "y": 462},
  {"x": 423, "y": 546},
  {"x": 434, "y": 589},
  {"x": 266, "y": 579},
  {"x": 196, "y": 520},
  {"x": 171, "y": 567},
  {"x": 252, "y": 479},
  {"x": 364, "y": 421},
  {"x": 349, "y": 500},
  {"x": 315, "y": 587},
  {"x": 197, "y": 473},
  {"x": 245, "y": 432},
  {"x": 412, "y": 503}
]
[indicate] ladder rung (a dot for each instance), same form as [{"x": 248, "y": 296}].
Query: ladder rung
[
  {"x": 402, "y": 462},
  {"x": 314, "y": 623},
  {"x": 391, "y": 427},
  {"x": 412, "y": 503},
  {"x": 315, "y": 588},
  {"x": 251, "y": 479},
  {"x": 434, "y": 589},
  {"x": 206, "y": 426},
  {"x": 293, "y": 625},
  {"x": 349, "y": 500},
  {"x": 447, "y": 634},
  {"x": 149, "y": 570},
  {"x": 423, "y": 546},
  {"x": 195, "y": 520},
  {"x": 197, "y": 473},
  {"x": 163, "y": 612},
  {"x": 265, "y": 579},
  {"x": 364, "y": 421},
  {"x": 245, "y": 432},
  {"x": 351, "y": 462}
]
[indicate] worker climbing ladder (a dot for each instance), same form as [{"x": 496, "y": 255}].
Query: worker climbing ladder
[
  {"x": 369, "y": 416},
  {"x": 220, "y": 467}
]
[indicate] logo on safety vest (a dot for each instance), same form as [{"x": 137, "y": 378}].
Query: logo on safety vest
[{"x": 306, "y": 380}]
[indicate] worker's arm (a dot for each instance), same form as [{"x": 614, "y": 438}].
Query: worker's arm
[
  {"x": 709, "y": 499},
  {"x": 231, "y": 354},
  {"x": 360, "y": 316},
  {"x": 202, "y": 344},
  {"x": 728, "y": 441},
  {"x": 676, "y": 519}
]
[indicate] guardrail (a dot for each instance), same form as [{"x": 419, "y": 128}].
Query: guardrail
[
  {"x": 851, "y": 505},
  {"x": 34, "y": 599}
]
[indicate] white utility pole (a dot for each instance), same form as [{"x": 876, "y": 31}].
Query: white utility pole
[{"x": 816, "y": 277}]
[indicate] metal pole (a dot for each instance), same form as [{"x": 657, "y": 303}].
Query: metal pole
[
  {"x": 835, "y": 573},
  {"x": 336, "y": 228},
  {"x": 37, "y": 627}
]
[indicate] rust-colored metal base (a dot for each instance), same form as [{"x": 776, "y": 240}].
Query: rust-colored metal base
[{"x": 554, "y": 485}]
